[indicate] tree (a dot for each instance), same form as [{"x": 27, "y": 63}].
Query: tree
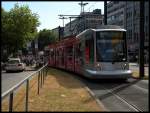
[
  {"x": 19, "y": 26},
  {"x": 45, "y": 37},
  {"x": 5, "y": 41}
]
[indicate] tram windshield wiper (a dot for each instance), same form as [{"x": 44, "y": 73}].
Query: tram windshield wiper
[{"x": 118, "y": 57}]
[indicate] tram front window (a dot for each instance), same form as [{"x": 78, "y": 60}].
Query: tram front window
[{"x": 111, "y": 46}]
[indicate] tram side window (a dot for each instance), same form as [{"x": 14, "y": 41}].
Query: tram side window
[
  {"x": 89, "y": 50},
  {"x": 56, "y": 52},
  {"x": 70, "y": 52},
  {"x": 52, "y": 52},
  {"x": 62, "y": 56}
]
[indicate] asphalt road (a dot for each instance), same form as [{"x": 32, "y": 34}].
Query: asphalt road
[{"x": 8, "y": 80}]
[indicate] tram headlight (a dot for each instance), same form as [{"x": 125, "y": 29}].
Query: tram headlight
[{"x": 98, "y": 66}]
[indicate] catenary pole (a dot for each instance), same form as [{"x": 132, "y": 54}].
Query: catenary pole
[
  {"x": 142, "y": 37},
  {"x": 105, "y": 12}
]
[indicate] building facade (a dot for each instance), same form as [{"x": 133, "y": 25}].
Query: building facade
[
  {"x": 127, "y": 15},
  {"x": 86, "y": 20},
  {"x": 115, "y": 13},
  {"x": 58, "y": 32}
]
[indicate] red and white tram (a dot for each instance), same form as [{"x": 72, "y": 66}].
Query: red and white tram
[{"x": 94, "y": 53}]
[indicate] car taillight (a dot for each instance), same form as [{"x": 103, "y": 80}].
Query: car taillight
[{"x": 19, "y": 65}]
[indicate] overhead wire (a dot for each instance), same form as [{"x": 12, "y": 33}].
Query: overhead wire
[
  {"x": 77, "y": 24},
  {"x": 91, "y": 6}
]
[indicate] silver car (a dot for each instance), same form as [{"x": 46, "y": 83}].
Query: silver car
[{"x": 14, "y": 64}]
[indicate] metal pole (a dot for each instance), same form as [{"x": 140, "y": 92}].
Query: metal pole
[
  {"x": 105, "y": 12},
  {"x": 70, "y": 23},
  {"x": 142, "y": 37},
  {"x": 11, "y": 102},
  {"x": 27, "y": 95},
  {"x": 39, "y": 83},
  {"x": 41, "y": 77},
  {"x": 81, "y": 6},
  {"x": 46, "y": 70},
  {"x": 59, "y": 32},
  {"x": 63, "y": 21}
]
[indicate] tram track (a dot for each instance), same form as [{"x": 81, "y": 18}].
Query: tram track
[
  {"x": 118, "y": 96},
  {"x": 132, "y": 106}
]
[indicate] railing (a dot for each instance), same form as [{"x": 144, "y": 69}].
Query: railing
[{"x": 41, "y": 73}]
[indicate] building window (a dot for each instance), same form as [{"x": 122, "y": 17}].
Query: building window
[
  {"x": 146, "y": 19},
  {"x": 116, "y": 2}
]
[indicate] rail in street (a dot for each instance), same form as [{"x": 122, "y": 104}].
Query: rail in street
[{"x": 121, "y": 96}]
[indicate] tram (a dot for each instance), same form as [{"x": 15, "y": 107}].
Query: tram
[{"x": 94, "y": 53}]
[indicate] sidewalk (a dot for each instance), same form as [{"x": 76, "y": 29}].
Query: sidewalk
[
  {"x": 30, "y": 68},
  {"x": 136, "y": 64},
  {"x": 133, "y": 64}
]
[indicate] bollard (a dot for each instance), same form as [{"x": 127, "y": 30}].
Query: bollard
[
  {"x": 27, "y": 95},
  {"x": 46, "y": 70},
  {"x": 41, "y": 77},
  {"x": 11, "y": 102},
  {"x": 38, "y": 83}
]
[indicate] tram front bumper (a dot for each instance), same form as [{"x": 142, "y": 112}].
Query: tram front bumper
[{"x": 108, "y": 74}]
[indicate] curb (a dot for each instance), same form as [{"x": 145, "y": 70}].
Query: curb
[
  {"x": 93, "y": 95},
  {"x": 96, "y": 99}
]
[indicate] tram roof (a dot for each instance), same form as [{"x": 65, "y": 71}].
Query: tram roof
[
  {"x": 108, "y": 29},
  {"x": 111, "y": 27},
  {"x": 103, "y": 28}
]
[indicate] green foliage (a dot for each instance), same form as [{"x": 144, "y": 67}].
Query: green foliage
[
  {"x": 45, "y": 37},
  {"x": 19, "y": 26}
]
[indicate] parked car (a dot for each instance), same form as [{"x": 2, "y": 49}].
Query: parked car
[
  {"x": 3, "y": 66},
  {"x": 14, "y": 64}
]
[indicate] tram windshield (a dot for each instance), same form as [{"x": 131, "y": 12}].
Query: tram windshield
[{"x": 111, "y": 46}]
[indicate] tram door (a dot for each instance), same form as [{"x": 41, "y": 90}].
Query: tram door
[
  {"x": 77, "y": 51},
  {"x": 61, "y": 58},
  {"x": 89, "y": 52},
  {"x": 57, "y": 57},
  {"x": 79, "y": 58}
]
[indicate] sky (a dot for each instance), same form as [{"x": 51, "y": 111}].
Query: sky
[{"x": 48, "y": 11}]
